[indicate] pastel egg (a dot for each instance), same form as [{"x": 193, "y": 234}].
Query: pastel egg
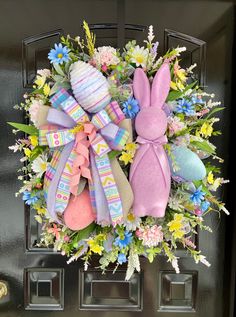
[
  {"x": 79, "y": 213},
  {"x": 90, "y": 87},
  {"x": 190, "y": 167}
]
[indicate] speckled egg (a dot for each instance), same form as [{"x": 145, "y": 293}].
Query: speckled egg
[
  {"x": 90, "y": 87},
  {"x": 190, "y": 166}
]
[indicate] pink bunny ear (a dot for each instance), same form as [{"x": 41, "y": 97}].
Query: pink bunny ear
[
  {"x": 141, "y": 87},
  {"x": 160, "y": 86}
]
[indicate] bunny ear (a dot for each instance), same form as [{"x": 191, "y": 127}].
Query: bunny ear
[
  {"x": 161, "y": 86},
  {"x": 141, "y": 87}
]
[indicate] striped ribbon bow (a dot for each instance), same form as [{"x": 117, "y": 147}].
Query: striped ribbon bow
[{"x": 72, "y": 135}]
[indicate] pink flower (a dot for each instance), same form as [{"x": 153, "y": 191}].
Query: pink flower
[
  {"x": 175, "y": 125},
  {"x": 151, "y": 236},
  {"x": 105, "y": 55},
  {"x": 33, "y": 110},
  {"x": 55, "y": 231},
  {"x": 66, "y": 238}
]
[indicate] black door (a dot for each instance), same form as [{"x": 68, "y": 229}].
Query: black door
[{"x": 38, "y": 281}]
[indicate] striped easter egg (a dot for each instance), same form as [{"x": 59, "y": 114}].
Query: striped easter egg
[{"x": 89, "y": 86}]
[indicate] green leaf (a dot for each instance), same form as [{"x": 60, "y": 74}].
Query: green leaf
[
  {"x": 217, "y": 109},
  {"x": 84, "y": 233},
  {"x": 36, "y": 152},
  {"x": 113, "y": 154},
  {"x": 204, "y": 146},
  {"x": 173, "y": 95},
  {"x": 28, "y": 129},
  {"x": 58, "y": 69}
]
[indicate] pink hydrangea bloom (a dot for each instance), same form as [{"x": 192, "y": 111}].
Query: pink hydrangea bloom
[
  {"x": 105, "y": 55},
  {"x": 151, "y": 236},
  {"x": 33, "y": 110}
]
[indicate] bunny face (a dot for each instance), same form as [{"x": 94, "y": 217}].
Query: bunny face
[{"x": 151, "y": 121}]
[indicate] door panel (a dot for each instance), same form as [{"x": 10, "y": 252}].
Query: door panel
[{"x": 39, "y": 281}]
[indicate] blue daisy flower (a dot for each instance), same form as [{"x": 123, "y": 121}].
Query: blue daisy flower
[
  {"x": 122, "y": 258},
  {"x": 197, "y": 196},
  {"x": 59, "y": 54},
  {"x": 186, "y": 107},
  {"x": 205, "y": 205},
  {"x": 28, "y": 198},
  {"x": 131, "y": 108},
  {"x": 122, "y": 243}
]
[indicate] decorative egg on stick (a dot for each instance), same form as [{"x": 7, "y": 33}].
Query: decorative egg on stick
[{"x": 90, "y": 87}]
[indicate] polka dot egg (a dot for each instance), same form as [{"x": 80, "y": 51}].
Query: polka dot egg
[{"x": 90, "y": 87}]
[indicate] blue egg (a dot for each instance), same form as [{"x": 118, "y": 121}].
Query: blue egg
[{"x": 190, "y": 167}]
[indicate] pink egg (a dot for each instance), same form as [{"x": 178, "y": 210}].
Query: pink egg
[{"x": 79, "y": 213}]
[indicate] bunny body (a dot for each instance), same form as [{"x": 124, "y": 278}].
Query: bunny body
[{"x": 150, "y": 176}]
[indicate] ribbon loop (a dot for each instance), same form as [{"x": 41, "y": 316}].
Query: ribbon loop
[{"x": 101, "y": 134}]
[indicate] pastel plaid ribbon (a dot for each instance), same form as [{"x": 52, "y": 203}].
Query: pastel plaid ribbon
[{"x": 67, "y": 114}]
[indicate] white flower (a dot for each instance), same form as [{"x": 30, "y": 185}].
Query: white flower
[
  {"x": 139, "y": 56},
  {"x": 132, "y": 222},
  {"x": 44, "y": 72},
  {"x": 175, "y": 265},
  {"x": 14, "y": 148},
  {"x": 203, "y": 260},
  {"x": 39, "y": 165},
  {"x": 106, "y": 55},
  {"x": 150, "y": 34}
]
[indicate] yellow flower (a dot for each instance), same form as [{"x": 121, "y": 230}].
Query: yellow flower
[
  {"x": 181, "y": 75},
  {"x": 130, "y": 217},
  {"x": 40, "y": 81},
  {"x": 77, "y": 128},
  {"x": 177, "y": 224},
  {"x": 173, "y": 85},
  {"x": 27, "y": 152},
  {"x": 178, "y": 234},
  {"x": 210, "y": 178},
  {"x": 33, "y": 140},
  {"x": 206, "y": 129},
  {"x": 41, "y": 210},
  {"x": 95, "y": 247},
  {"x": 126, "y": 157},
  {"x": 131, "y": 147},
  {"x": 46, "y": 90},
  {"x": 177, "y": 85}
]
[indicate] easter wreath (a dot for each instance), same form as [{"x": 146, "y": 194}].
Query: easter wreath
[{"x": 94, "y": 189}]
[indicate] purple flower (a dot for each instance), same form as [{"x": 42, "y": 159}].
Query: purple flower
[
  {"x": 197, "y": 196},
  {"x": 122, "y": 243},
  {"x": 28, "y": 198},
  {"x": 130, "y": 108},
  {"x": 121, "y": 258},
  {"x": 186, "y": 107}
]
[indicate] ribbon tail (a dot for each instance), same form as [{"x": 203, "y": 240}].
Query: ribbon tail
[
  {"x": 52, "y": 188},
  {"x": 110, "y": 189},
  {"x": 97, "y": 195}
]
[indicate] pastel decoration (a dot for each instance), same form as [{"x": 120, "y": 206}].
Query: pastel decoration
[
  {"x": 42, "y": 116},
  {"x": 150, "y": 172},
  {"x": 190, "y": 167},
  {"x": 79, "y": 213},
  {"x": 123, "y": 185},
  {"x": 90, "y": 87},
  {"x": 127, "y": 125},
  {"x": 64, "y": 182}
]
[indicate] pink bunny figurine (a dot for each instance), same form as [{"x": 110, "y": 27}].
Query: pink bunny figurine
[{"x": 150, "y": 172}]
